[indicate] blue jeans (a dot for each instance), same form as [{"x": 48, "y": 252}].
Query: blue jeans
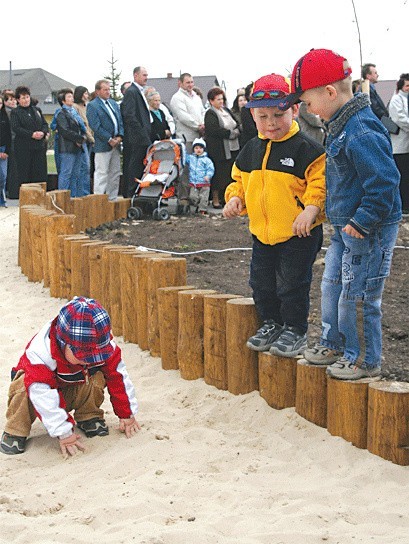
[
  {"x": 280, "y": 277},
  {"x": 352, "y": 286},
  {"x": 83, "y": 182},
  {"x": 68, "y": 177},
  {"x": 3, "y": 177}
]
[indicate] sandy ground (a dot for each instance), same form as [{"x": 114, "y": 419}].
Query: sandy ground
[{"x": 207, "y": 466}]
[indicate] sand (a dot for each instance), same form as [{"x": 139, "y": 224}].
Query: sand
[{"x": 207, "y": 466}]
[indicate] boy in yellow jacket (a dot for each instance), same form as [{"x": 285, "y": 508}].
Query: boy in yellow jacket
[{"x": 280, "y": 184}]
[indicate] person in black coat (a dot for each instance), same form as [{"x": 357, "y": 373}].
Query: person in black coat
[
  {"x": 5, "y": 144},
  {"x": 31, "y": 135},
  {"x": 222, "y": 142},
  {"x": 160, "y": 129},
  {"x": 248, "y": 126},
  {"x": 71, "y": 145},
  {"x": 137, "y": 129}
]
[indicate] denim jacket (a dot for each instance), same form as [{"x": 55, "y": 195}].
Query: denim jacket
[{"x": 361, "y": 174}]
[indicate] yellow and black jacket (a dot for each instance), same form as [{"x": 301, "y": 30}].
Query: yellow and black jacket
[{"x": 276, "y": 179}]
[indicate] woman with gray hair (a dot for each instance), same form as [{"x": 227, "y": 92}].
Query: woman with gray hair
[{"x": 159, "y": 126}]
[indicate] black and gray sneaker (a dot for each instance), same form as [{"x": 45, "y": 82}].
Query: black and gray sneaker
[
  {"x": 290, "y": 343},
  {"x": 265, "y": 336},
  {"x": 11, "y": 444},
  {"x": 343, "y": 369},
  {"x": 93, "y": 427}
]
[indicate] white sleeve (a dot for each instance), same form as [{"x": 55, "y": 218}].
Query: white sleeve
[{"x": 46, "y": 402}]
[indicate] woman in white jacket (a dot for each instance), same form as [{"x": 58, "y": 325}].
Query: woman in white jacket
[{"x": 399, "y": 113}]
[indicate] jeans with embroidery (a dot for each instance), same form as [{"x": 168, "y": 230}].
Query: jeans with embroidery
[{"x": 352, "y": 287}]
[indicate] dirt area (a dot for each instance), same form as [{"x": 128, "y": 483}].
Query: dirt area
[{"x": 228, "y": 271}]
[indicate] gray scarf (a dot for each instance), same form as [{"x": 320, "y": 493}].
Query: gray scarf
[{"x": 358, "y": 102}]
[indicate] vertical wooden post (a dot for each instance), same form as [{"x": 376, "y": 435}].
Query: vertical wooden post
[
  {"x": 115, "y": 299},
  {"x": 347, "y": 410},
  {"x": 95, "y": 271},
  {"x": 388, "y": 421},
  {"x": 65, "y": 261},
  {"x": 58, "y": 201},
  {"x": 33, "y": 248},
  {"x": 55, "y": 225},
  {"x": 106, "y": 274},
  {"x": 168, "y": 317},
  {"x": 311, "y": 395},
  {"x": 242, "y": 362},
  {"x": 80, "y": 265},
  {"x": 161, "y": 273},
  {"x": 121, "y": 207},
  {"x": 77, "y": 207},
  {"x": 277, "y": 380},
  {"x": 24, "y": 234},
  {"x": 141, "y": 294},
  {"x": 30, "y": 194},
  {"x": 128, "y": 298},
  {"x": 214, "y": 339},
  {"x": 190, "y": 333}
]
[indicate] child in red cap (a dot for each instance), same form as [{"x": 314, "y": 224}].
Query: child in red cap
[
  {"x": 280, "y": 184},
  {"x": 65, "y": 368},
  {"x": 363, "y": 206}
]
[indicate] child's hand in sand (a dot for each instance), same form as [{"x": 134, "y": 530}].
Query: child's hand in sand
[
  {"x": 233, "y": 207},
  {"x": 129, "y": 426},
  {"x": 71, "y": 445}
]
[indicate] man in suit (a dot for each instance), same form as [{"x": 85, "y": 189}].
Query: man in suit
[
  {"x": 137, "y": 128},
  {"x": 378, "y": 107},
  {"x": 104, "y": 118}
]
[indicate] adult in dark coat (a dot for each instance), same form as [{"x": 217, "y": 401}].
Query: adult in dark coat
[
  {"x": 12, "y": 187},
  {"x": 5, "y": 144},
  {"x": 370, "y": 73},
  {"x": 71, "y": 145},
  {"x": 222, "y": 141},
  {"x": 160, "y": 129},
  {"x": 248, "y": 126},
  {"x": 31, "y": 135},
  {"x": 137, "y": 129}
]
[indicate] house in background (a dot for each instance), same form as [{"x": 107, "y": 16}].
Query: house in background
[
  {"x": 168, "y": 86},
  {"x": 42, "y": 84}
]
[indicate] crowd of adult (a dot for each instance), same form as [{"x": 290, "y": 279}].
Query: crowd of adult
[{"x": 92, "y": 132}]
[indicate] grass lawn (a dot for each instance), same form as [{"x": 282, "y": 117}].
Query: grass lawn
[{"x": 51, "y": 168}]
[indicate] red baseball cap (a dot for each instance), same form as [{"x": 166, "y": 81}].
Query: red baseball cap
[
  {"x": 269, "y": 91},
  {"x": 319, "y": 67}
]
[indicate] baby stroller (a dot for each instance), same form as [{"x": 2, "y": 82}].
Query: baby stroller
[{"x": 155, "y": 193}]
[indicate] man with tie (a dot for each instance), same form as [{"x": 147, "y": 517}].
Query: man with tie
[
  {"x": 104, "y": 118},
  {"x": 137, "y": 128}
]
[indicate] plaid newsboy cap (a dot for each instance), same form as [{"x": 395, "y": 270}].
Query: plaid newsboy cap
[{"x": 84, "y": 325}]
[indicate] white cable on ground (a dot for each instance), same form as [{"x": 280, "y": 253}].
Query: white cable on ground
[{"x": 143, "y": 248}]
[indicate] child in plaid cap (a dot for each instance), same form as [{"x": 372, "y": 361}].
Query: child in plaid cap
[
  {"x": 65, "y": 368},
  {"x": 364, "y": 208},
  {"x": 280, "y": 184}
]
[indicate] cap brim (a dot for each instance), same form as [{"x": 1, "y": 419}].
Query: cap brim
[
  {"x": 290, "y": 100},
  {"x": 93, "y": 356},
  {"x": 268, "y": 103}
]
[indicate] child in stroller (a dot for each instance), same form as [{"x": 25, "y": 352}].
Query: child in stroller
[{"x": 156, "y": 192}]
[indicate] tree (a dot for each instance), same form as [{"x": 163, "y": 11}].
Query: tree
[{"x": 113, "y": 76}]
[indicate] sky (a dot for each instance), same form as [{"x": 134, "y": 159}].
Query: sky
[{"x": 237, "y": 44}]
